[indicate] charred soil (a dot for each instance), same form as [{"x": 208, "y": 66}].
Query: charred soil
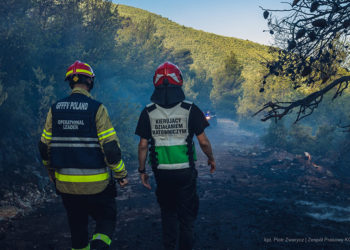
[{"x": 258, "y": 198}]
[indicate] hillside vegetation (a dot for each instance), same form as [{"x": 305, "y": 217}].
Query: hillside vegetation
[{"x": 208, "y": 50}]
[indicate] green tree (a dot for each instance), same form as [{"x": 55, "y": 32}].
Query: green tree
[
  {"x": 39, "y": 39},
  {"x": 183, "y": 59},
  {"x": 300, "y": 139},
  {"x": 276, "y": 136},
  {"x": 139, "y": 51},
  {"x": 198, "y": 87},
  {"x": 227, "y": 83},
  {"x": 324, "y": 138}
]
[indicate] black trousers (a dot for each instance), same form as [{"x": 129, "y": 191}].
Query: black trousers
[
  {"x": 101, "y": 207},
  {"x": 178, "y": 200}
]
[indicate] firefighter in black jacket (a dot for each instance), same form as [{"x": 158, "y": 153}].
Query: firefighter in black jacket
[
  {"x": 167, "y": 126},
  {"x": 79, "y": 147}
]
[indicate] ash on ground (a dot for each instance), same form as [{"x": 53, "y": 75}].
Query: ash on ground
[{"x": 258, "y": 198}]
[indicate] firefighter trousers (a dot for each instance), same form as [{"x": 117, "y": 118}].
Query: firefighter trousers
[
  {"x": 178, "y": 200},
  {"x": 101, "y": 207}
]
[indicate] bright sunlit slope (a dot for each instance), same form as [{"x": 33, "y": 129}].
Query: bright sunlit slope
[{"x": 208, "y": 49}]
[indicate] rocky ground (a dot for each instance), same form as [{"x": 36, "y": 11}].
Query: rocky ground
[{"x": 257, "y": 199}]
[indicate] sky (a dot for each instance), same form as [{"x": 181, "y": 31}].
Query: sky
[{"x": 233, "y": 18}]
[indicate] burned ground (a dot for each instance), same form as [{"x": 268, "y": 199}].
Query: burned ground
[{"x": 258, "y": 198}]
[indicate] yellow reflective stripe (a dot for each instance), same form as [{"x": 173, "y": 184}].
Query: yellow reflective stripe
[
  {"x": 48, "y": 133},
  {"x": 84, "y": 248},
  {"x": 69, "y": 72},
  {"x": 83, "y": 71},
  {"x": 87, "y": 65},
  {"x": 82, "y": 178},
  {"x": 46, "y": 137},
  {"x": 103, "y": 132},
  {"x": 104, "y": 137},
  {"x": 106, "y": 133},
  {"x": 119, "y": 167},
  {"x": 45, "y": 162},
  {"x": 122, "y": 167},
  {"x": 103, "y": 237}
]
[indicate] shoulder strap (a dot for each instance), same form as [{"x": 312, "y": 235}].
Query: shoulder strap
[
  {"x": 186, "y": 104},
  {"x": 150, "y": 107}
]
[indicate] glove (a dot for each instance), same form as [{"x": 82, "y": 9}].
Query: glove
[{"x": 121, "y": 177}]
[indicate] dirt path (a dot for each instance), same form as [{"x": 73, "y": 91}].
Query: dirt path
[{"x": 257, "y": 199}]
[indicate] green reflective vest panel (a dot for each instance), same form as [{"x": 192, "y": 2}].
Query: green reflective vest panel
[{"x": 169, "y": 128}]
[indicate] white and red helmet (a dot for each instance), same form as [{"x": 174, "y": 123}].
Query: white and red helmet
[{"x": 168, "y": 71}]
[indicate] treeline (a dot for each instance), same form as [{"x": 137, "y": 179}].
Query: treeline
[
  {"x": 209, "y": 50},
  {"x": 40, "y": 38},
  {"x": 211, "y": 53}
]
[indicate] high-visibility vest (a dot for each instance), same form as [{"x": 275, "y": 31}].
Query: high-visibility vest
[
  {"x": 75, "y": 153},
  {"x": 172, "y": 147}
]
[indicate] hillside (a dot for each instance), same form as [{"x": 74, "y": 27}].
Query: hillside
[{"x": 208, "y": 49}]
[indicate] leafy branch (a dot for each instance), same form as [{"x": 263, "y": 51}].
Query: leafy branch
[
  {"x": 311, "y": 46},
  {"x": 307, "y": 105}
]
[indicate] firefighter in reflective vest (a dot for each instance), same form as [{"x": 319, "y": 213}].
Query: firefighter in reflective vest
[
  {"x": 167, "y": 126},
  {"x": 80, "y": 149}
]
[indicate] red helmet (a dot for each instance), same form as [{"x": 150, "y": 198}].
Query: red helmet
[
  {"x": 79, "y": 68},
  {"x": 168, "y": 71}
]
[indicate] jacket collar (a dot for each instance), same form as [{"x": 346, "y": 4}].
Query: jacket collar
[{"x": 78, "y": 90}]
